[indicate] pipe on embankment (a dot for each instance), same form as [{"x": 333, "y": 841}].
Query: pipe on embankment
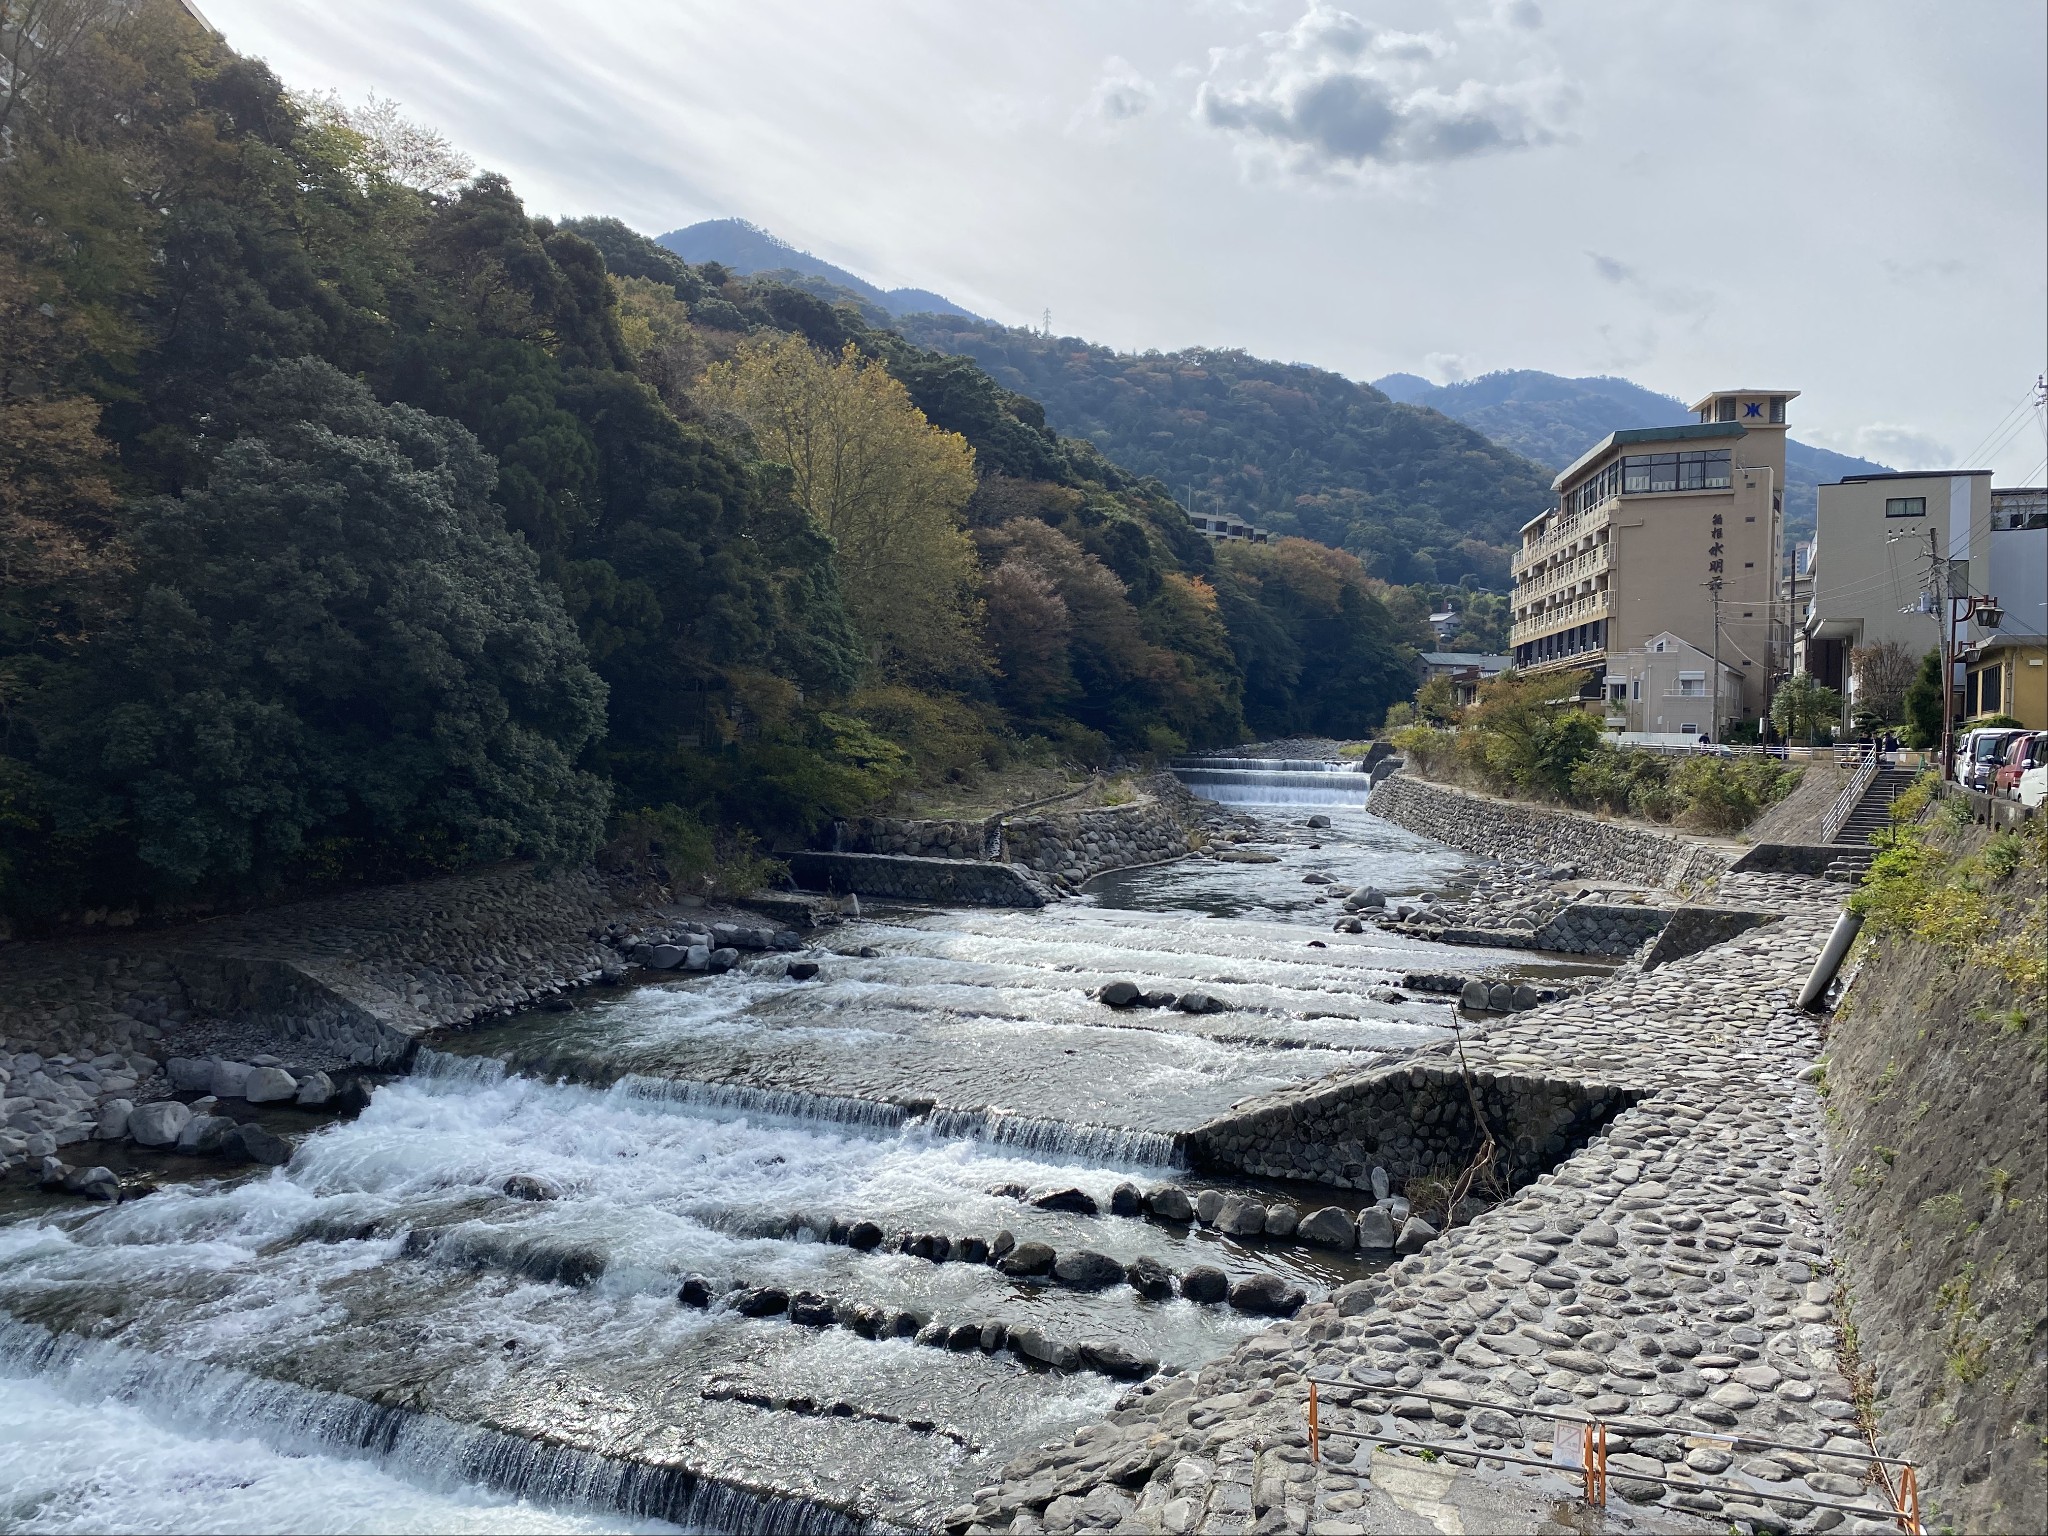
[{"x": 1846, "y": 928}]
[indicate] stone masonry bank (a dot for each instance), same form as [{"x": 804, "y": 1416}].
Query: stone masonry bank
[
  {"x": 1519, "y": 833},
  {"x": 1673, "y": 1273}
]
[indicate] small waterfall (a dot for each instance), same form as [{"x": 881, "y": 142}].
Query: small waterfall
[
  {"x": 446, "y": 1067},
  {"x": 1266, "y": 784},
  {"x": 1057, "y": 1138},
  {"x": 1268, "y": 764},
  {"x": 237, "y": 1405},
  {"x": 765, "y": 1103}
]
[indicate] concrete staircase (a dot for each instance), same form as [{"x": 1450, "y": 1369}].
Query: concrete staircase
[{"x": 1872, "y": 814}]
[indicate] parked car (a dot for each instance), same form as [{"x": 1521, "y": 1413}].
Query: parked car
[
  {"x": 2034, "y": 786},
  {"x": 2021, "y": 753},
  {"x": 1978, "y": 754}
]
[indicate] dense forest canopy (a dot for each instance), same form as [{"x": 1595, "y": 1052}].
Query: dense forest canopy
[
  {"x": 1297, "y": 450},
  {"x": 357, "y": 524}
]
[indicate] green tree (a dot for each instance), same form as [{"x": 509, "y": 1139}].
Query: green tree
[
  {"x": 1803, "y": 706},
  {"x": 1526, "y": 740},
  {"x": 336, "y": 651},
  {"x": 1926, "y": 703}
]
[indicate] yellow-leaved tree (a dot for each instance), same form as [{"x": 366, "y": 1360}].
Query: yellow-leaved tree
[{"x": 887, "y": 485}]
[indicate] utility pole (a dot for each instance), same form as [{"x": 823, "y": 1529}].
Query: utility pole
[
  {"x": 1714, "y": 725},
  {"x": 1944, "y": 599}
]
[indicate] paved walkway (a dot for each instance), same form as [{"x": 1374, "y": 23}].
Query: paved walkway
[{"x": 1674, "y": 1272}]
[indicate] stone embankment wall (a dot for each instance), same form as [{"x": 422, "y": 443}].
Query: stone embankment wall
[
  {"x": 345, "y": 980},
  {"x": 1071, "y": 847},
  {"x": 1414, "y": 1121},
  {"x": 1511, "y": 830},
  {"x": 938, "y": 838},
  {"x": 1583, "y": 928},
  {"x": 967, "y": 882}
]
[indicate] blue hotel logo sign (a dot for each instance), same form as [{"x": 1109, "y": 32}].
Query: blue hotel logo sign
[{"x": 1753, "y": 408}]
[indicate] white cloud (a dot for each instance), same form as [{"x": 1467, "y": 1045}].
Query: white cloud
[
  {"x": 1447, "y": 367},
  {"x": 1903, "y": 447},
  {"x": 1336, "y": 96}
]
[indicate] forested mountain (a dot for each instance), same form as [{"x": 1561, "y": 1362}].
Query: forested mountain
[
  {"x": 358, "y": 525},
  {"x": 749, "y": 250},
  {"x": 1291, "y": 448},
  {"x": 1553, "y": 420}
]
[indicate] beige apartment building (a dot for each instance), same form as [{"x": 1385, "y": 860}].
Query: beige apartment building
[
  {"x": 1664, "y": 531},
  {"x": 1874, "y": 539}
]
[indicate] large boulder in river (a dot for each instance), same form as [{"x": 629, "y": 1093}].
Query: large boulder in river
[
  {"x": 665, "y": 957},
  {"x": 1329, "y": 1227},
  {"x": 269, "y": 1085},
  {"x": 1206, "y": 1284},
  {"x": 1241, "y": 1216},
  {"x": 257, "y": 1145},
  {"x": 206, "y": 1135},
  {"x": 1150, "y": 1279},
  {"x": 189, "y": 1074},
  {"x": 1416, "y": 1234},
  {"x": 1267, "y": 1296},
  {"x": 1032, "y": 1344},
  {"x": 1207, "y": 1204},
  {"x": 158, "y": 1124},
  {"x": 1068, "y": 1199},
  {"x": 1376, "y": 1230},
  {"x": 316, "y": 1090},
  {"x": 1282, "y": 1219},
  {"x": 229, "y": 1079},
  {"x": 1114, "y": 1360},
  {"x": 1086, "y": 1270},
  {"x": 1027, "y": 1259},
  {"x": 113, "y": 1120},
  {"x": 1120, "y": 994},
  {"x": 1170, "y": 1203},
  {"x": 1125, "y": 1200}
]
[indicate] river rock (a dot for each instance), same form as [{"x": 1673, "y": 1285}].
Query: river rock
[
  {"x": 1159, "y": 999},
  {"x": 1032, "y": 1344},
  {"x": 1086, "y": 1270},
  {"x": 722, "y": 960},
  {"x": 963, "y": 1336},
  {"x": 1347, "y": 925},
  {"x": 1125, "y": 1200},
  {"x": 1170, "y": 1203},
  {"x": 801, "y": 970},
  {"x": 1282, "y": 1219},
  {"x": 95, "y": 1183},
  {"x": 158, "y": 1124},
  {"x": 524, "y": 1186},
  {"x": 761, "y": 1301},
  {"x": 1329, "y": 1227},
  {"x": 1200, "y": 1002},
  {"x": 1241, "y": 1217},
  {"x": 1115, "y": 1360},
  {"x": 1382, "y": 1185},
  {"x": 1375, "y": 1230},
  {"x": 993, "y": 1337},
  {"x": 269, "y": 1085},
  {"x": 1524, "y": 998},
  {"x": 1207, "y": 1204},
  {"x": 1001, "y": 1244},
  {"x": 810, "y": 1309},
  {"x": 697, "y": 958},
  {"x": 665, "y": 957},
  {"x": 258, "y": 1146},
  {"x": 1027, "y": 1259},
  {"x": 1205, "y": 1284},
  {"x": 189, "y": 1074},
  {"x": 695, "y": 1292},
  {"x": 1119, "y": 994},
  {"x": 906, "y": 1324},
  {"x": 1473, "y": 998},
  {"x": 1068, "y": 1199},
  {"x": 229, "y": 1079},
  {"x": 113, "y": 1121},
  {"x": 864, "y": 1235},
  {"x": 205, "y": 1135},
  {"x": 1267, "y": 1296},
  {"x": 1500, "y": 997},
  {"x": 1416, "y": 1234},
  {"x": 1150, "y": 1278},
  {"x": 316, "y": 1091},
  {"x": 54, "y": 1171},
  {"x": 973, "y": 1250},
  {"x": 1318, "y": 821}
]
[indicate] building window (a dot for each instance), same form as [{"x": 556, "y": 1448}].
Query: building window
[
  {"x": 1990, "y": 704},
  {"x": 1905, "y": 506},
  {"x": 1643, "y": 473},
  {"x": 1692, "y": 685},
  {"x": 1724, "y": 410},
  {"x": 1778, "y": 410},
  {"x": 1689, "y": 727}
]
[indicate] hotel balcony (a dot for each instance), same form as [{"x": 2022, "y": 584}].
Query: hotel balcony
[
  {"x": 1561, "y": 534},
  {"x": 1566, "y": 573},
  {"x": 1565, "y": 615}
]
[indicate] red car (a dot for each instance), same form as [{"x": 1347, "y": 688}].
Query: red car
[{"x": 2021, "y": 754}]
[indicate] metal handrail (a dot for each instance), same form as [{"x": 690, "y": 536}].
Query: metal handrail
[{"x": 1837, "y": 815}]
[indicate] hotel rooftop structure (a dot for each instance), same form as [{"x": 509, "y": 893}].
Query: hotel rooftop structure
[{"x": 1657, "y": 530}]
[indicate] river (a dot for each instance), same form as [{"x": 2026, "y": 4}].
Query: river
[{"x": 376, "y": 1337}]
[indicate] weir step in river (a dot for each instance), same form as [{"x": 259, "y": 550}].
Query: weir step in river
[{"x": 379, "y": 1335}]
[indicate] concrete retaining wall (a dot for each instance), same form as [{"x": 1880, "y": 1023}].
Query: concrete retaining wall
[
  {"x": 1413, "y": 1121},
  {"x": 1693, "y": 929},
  {"x": 1520, "y": 833},
  {"x": 963, "y": 882}
]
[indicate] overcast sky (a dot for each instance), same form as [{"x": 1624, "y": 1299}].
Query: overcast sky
[{"x": 1845, "y": 197}]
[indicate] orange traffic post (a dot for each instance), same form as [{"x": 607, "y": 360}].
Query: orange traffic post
[
  {"x": 1315, "y": 1450},
  {"x": 1909, "y": 1501}
]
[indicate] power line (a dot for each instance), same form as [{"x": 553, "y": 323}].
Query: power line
[{"x": 2027, "y": 398}]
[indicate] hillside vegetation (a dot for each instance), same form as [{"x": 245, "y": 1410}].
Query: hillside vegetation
[
  {"x": 359, "y": 525},
  {"x": 1552, "y": 420},
  {"x": 1293, "y": 449}
]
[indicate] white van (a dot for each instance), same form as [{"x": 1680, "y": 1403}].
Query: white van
[{"x": 1977, "y": 755}]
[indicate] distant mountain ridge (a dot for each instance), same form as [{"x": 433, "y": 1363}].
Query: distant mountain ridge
[
  {"x": 748, "y": 249},
  {"x": 1552, "y": 420}
]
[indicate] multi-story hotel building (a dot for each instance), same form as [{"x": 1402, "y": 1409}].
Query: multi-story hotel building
[{"x": 1663, "y": 529}]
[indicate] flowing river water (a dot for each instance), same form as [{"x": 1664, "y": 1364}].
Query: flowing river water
[{"x": 376, "y": 1337}]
